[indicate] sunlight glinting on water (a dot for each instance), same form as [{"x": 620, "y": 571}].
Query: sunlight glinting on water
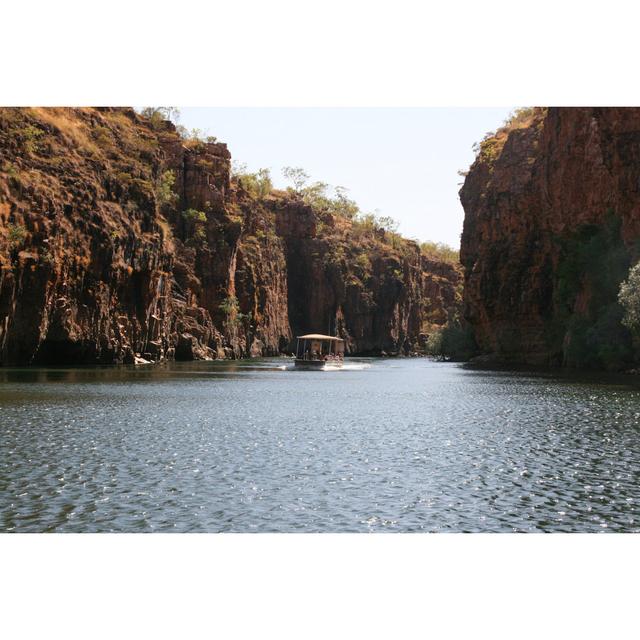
[{"x": 382, "y": 445}]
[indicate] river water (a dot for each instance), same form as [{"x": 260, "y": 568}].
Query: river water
[{"x": 382, "y": 445}]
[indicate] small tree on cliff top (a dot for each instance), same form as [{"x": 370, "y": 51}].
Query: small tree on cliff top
[
  {"x": 343, "y": 205},
  {"x": 297, "y": 176},
  {"x": 157, "y": 115},
  {"x": 195, "y": 138},
  {"x": 387, "y": 223},
  {"x": 257, "y": 184}
]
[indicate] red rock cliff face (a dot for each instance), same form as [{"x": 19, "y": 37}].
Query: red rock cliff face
[
  {"x": 377, "y": 296},
  {"x": 120, "y": 241},
  {"x": 552, "y": 215}
]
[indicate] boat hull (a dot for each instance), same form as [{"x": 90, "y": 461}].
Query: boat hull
[{"x": 318, "y": 365}]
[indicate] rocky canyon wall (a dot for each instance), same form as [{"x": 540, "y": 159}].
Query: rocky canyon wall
[
  {"x": 552, "y": 223},
  {"x": 121, "y": 241}
]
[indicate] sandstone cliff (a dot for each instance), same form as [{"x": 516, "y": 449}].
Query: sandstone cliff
[
  {"x": 552, "y": 223},
  {"x": 119, "y": 239}
]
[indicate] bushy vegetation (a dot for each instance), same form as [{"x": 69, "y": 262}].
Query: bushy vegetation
[
  {"x": 47, "y": 257},
  {"x": 455, "y": 341},
  {"x": 197, "y": 232},
  {"x": 629, "y": 298},
  {"x": 193, "y": 215},
  {"x": 328, "y": 204},
  {"x": 103, "y": 136},
  {"x": 339, "y": 205},
  {"x": 519, "y": 118},
  {"x": 30, "y": 137},
  {"x": 257, "y": 185},
  {"x": 229, "y": 305},
  {"x": 158, "y": 115},
  {"x": 199, "y": 237},
  {"x": 594, "y": 262},
  {"x": 16, "y": 235},
  {"x": 195, "y": 138},
  {"x": 297, "y": 176},
  {"x": 440, "y": 251},
  {"x": 230, "y": 308},
  {"x": 488, "y": 149},
  {"x": 164, "y": 189},
  {"x": 363, "y": 262},
  {"x": 316, "y": 195},
  {"x": 354, "y": 245},
  {"x": 11, "y": 170}
]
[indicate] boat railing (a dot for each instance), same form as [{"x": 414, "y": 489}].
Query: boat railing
[{"x": 320, "y": 356}]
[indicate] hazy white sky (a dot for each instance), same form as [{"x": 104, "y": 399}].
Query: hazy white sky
[{"x": 402, "y": 162}]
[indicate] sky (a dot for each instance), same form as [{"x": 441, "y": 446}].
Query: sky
[{"x": 401, "y": 163}]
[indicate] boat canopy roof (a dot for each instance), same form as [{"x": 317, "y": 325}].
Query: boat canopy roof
[{"x": 318, "y": 336}]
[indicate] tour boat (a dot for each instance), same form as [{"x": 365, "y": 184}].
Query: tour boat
[{"x": 315, "y": 351}]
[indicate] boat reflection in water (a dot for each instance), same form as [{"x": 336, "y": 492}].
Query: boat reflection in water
[{"x": 315, "y": 351}]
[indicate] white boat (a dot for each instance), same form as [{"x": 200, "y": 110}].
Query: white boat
[{"x": 315, "y": 351}]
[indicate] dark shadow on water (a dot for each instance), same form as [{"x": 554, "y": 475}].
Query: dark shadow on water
[
  {"x": 219, "y": 369},
  {"x": 531, "y": 372}
]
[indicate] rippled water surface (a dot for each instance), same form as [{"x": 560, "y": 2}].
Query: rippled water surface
[{"x": 383, "y": 445}]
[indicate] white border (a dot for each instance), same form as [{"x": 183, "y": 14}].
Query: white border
[
  {"x": 330, "y": 53},
  {"x": 319, "y": 586}
]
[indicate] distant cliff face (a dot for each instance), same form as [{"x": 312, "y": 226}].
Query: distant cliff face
[
  {"x": 376, "y": 295},
  {"x": 552, "y": 221},
  {"x": 119, "y": 240}
]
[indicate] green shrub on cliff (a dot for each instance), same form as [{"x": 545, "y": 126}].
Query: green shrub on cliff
[
  {"x": 30, "y": 136},
  {"x": 229, "y": 305},
  {"x": 315, "y": 195},
  {"x": 594, "y": 261},
  {"x": 342, "y": 205},
  {"x": 257, "y": 185},
  {"x": 384, "y": 227},
  {"x": 363, "y": 262},
  {"x": 602, "y": 343},
  {"x": 455, "y": 341},
  {"x": 200, "y": 237},
  {"x": 16, "y": 235},
  {"x": 434, "y": 344},
  {"x": 158, "y": 115},
  {"x": 164, "y": 189},
  {"x": 103, "y": 137},
  {"x": 364, "y": 224},
  {"x": 519, "y": 118},
  {"x": 195, "y": 138},
  {"x": 629, "y": 298},
  {"x": 11, "y": 170},
  {"x": 193, "y": 215},
  {"x": 490, "y": 147},
  {"x": 440, "y": 251}
]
